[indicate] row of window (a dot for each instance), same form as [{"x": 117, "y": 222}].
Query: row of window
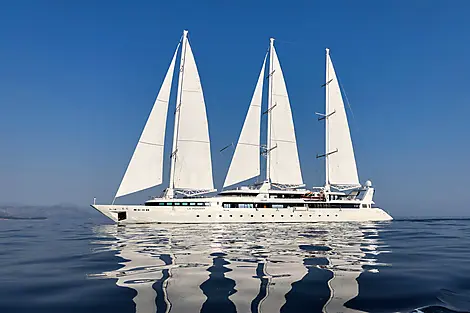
[
  {"x": 177, "y": 204},
  {"x": 251, "y": 215},
  {"x": 233, "y": 205},
  {"x": 141, "y": 209},
  {"x": 319, "y": 205}
]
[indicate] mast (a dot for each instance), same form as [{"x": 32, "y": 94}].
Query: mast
[
  {"x": 327, "y": 112},
  {"x": 174, "y": 151},
  {"x": 270, "y": 106}
]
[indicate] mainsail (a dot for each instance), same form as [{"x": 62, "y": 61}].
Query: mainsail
[
  {"x": 191, "y": 167},
  {"x": 341, "y": 170},
  {"x": 283, "y": 160},
  {"x": 146, "y": 166},
  {"x": 246, "y": 158}
]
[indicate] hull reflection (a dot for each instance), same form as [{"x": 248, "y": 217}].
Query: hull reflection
[{"x": 243, "y": 268}]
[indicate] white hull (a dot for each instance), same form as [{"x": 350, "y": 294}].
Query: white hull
[{"x": 214, "y": 215}]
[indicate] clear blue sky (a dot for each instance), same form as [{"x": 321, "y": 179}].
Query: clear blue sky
[{"x": 78, "y": 79}]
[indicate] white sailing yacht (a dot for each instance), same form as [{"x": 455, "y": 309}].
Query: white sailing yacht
[{"x": 280, "y": 197}]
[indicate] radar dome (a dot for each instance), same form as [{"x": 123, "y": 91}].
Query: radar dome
[{"x": 368, "y": 183}]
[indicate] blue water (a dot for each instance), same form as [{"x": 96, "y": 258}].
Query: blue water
[{"x": 74, "y": 260}]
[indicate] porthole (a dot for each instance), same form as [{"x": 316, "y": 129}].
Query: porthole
[
  {"x": 230, "y": 215},
  {"x": 220, "y": 215},
  {"x": 336, "y": 215},
  {"x": 328, "y": 215},
  {"x": 319, "y": 215},
  {"x": 273, "y": 216},
  {"x": 208, "y": 216},
  {"x": 282, "y": 215},
  {"x": 251, "y": 215},
  {"x": 300, "y": 215},
  {"x": 292, "y": 216},
  {"x": 262, "y": 215},
  {"x": 197, "y": 215},
  {"x": 310, "y": 215},
  {"x": 241, "y": 215}
]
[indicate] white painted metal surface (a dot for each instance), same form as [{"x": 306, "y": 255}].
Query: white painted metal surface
[
  {"x": 216, "y": 214},
  {"x": 257, "y": 210}
]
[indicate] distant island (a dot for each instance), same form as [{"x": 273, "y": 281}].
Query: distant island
[{"x": 7, "y": 216}]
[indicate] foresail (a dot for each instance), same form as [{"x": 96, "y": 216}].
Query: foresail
[
  {"x": 246, "y": 158},
  {"x": 342, "y": 170},
  {"x": 146, "y": 166},
  {"x": 193, "y": 165},
  {"x": 284, "y": 162}
]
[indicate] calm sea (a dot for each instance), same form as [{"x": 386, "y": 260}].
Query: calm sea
[{"x": 73, "y": 260}]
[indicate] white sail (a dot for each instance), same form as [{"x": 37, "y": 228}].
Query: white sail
[
  {"x": 283, "y": 159},
  {"x": 246, "y": 158},
  {"x": 341, "y": 164},
  {"x": 146, "y": 166},
  {"x": 192, "y": 166}
]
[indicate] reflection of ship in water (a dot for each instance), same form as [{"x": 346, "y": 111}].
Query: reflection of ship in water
[
  {"x": 242, "y": 268},
  {"x": 351, "y": 249}
]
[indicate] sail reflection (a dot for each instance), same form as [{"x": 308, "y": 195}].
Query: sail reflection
[{"x": 242, "y": 268}]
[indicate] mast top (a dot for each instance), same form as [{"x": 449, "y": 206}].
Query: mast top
[
  {"x": 327, "y": 51},
  {"x": 185, "y": 33},
  {"x": 271, "y": 41}
]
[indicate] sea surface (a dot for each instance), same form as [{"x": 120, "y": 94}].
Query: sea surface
[{"x": 74, "y": 260}]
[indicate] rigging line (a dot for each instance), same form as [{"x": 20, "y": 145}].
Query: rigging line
[
  {"x": 356, "y": 124},
  {"x": 290, "y": 42},
  {"x": 226, "y": 147}
]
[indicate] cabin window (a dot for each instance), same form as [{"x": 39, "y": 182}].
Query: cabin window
[
  {"x": 226, "y": 205},
  {"x": 177, "y": 203},
  {"x": 364, "y": 205},
  {"x": 277, "y": 206},
  {"x": 192, "y": 203},
  {"x": 161, "y": 203},
  {"x": 184, "y": 203},
  {"x": 169, "y": 203},
  {"x": 200, "y": 203}
]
